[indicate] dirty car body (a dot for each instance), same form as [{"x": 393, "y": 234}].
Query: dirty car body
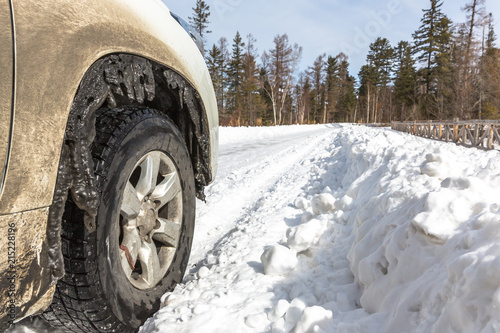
[{"x": 61, "y": 64}]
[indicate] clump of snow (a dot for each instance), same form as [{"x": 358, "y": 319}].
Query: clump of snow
[
  {"x": 203, "y": 272},
  {"x": 279, "y": 310},
  {"x": 344, "y": 204},
  {"x": 301, "y": 203},
  {"x": 294, "y": 312},
  {"x": 302, "y": 237},
  {"x": 323, "y": 203},
  {"x": 278, "y": 260},
  {"x": 306, "y": 217},
  {"x": 257, "y": 321},
  {"x": 314, "y": 319}
]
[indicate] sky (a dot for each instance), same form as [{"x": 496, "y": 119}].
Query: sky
[{"x": 322, "y": 26}]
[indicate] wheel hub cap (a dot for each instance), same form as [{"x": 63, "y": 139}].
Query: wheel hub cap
[{"x": 146, "y": 220}]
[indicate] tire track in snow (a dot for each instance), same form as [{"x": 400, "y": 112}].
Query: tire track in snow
[
  {"x": 256, "y": 166},
  {"x": 226, "y": 267}
]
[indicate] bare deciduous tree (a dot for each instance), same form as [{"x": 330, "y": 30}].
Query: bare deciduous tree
[{"x": 279, "y": 66}]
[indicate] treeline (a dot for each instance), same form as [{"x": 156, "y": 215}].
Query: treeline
[
  {"x": 446, "y": 71},
  {"x": 269, "y": 92}
]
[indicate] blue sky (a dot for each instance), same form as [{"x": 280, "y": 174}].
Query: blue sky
[{"x": 322, "y": 26}]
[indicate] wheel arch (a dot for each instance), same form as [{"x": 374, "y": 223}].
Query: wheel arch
[{"x": 121, "y": 80}]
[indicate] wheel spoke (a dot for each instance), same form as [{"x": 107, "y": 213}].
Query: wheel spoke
[
  {"x": 131, "y": 205},
  {"x": 168, "y": 233},
  {"x": 149, "y": 174},
  {"x": 167, "y": 189},
  {"x": 129, "y": 247},
  {"x": 150, "y": 263}
]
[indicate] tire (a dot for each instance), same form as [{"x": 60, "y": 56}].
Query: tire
[{"x": 144, "y": 226}]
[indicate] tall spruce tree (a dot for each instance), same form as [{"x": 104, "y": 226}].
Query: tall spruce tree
[
  {"x": 431, "y": 39},
  {"x": 252, "y": 102},
  {"x": 381, "y": 56},
  {"x": 235, "y": 77},
  {"x": 217, "y": 68},
  {"x": 347, "y": 94},
  {"x": 405, "y": 83},
  {"x": 376, "y": 77},
  {"x": 302, "y": 97},
  {"x": 367, "y": 77},
  {"x": 331, "y": 87},
  {"x": 199, "y": 21},
  {"x": 217, "y": 63},
  {"x": 317, "y": 74},
  {"x": 491, "y": 39}
]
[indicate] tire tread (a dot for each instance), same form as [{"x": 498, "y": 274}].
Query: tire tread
[{"x": 75, "y": 307}]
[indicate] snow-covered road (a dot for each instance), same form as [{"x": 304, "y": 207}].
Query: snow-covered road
[
  {"x": 261, "y": 172},
  {"x": 342, "y": 229},
  {"x": 249, "y": 168}
]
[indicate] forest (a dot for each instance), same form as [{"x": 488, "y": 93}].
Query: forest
[{"x": 446, "y": 71}]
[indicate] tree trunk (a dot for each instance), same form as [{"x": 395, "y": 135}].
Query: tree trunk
[{"x": 368, "y": 105}]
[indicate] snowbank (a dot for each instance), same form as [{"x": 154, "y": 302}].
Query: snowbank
[
  {"x": 361, "y": 230},
  {"x": 426, "y": 219}
]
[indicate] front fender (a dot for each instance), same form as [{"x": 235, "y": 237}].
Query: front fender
[{"x": 57, "y": 41}]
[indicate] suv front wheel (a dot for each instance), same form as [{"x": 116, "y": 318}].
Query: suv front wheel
[{"x": 145, "y": 222}]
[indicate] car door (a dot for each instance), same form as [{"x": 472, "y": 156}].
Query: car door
[{"x": 6, "y": 84}]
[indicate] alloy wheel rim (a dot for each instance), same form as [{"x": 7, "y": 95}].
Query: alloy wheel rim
[{"x": 150, "y": 220}]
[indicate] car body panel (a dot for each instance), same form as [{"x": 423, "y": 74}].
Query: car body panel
[
  {"x": 6, "y": 82},
  {"x": 32, "y": 295},
  {"x": 56, "y": 42},
  {"x": 48, "y": 76}
]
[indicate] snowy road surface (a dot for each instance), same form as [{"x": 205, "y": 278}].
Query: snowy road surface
[{"x": 342, "y": 229}]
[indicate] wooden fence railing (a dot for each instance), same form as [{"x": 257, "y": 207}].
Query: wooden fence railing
[{"x": 475, "y": 133}]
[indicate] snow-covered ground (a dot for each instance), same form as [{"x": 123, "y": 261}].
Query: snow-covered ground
[{"x": 342, "y": 229}]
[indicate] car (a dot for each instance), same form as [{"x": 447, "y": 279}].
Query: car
[{"x": 108, "y": 133}]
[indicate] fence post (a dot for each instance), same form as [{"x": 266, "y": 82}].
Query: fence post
[{"x": 455, "y": 130}]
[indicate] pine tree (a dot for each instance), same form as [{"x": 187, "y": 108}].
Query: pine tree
[
  {"x": 381, "y": 58},
  {"x": 316, "y": 73},
  {"x": 199, "y": 21},
  {"x": 431, "y": 39},
  {"x": 346, "y": 92},
  {"x": 217, "y": 68},
  {"x": 375, "y": 79},
  {"x": 217, "y": 63},
  {"x": 405, "y": 83},
  {"x": 367, "y": 76},
  {"x": 235, "y": 77},
  {"x": 302, "y": 97},
  {"x": 331, "y": 87},
  {"x": 491, "y": 39},
  {"x": 252, "y": 102}
]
